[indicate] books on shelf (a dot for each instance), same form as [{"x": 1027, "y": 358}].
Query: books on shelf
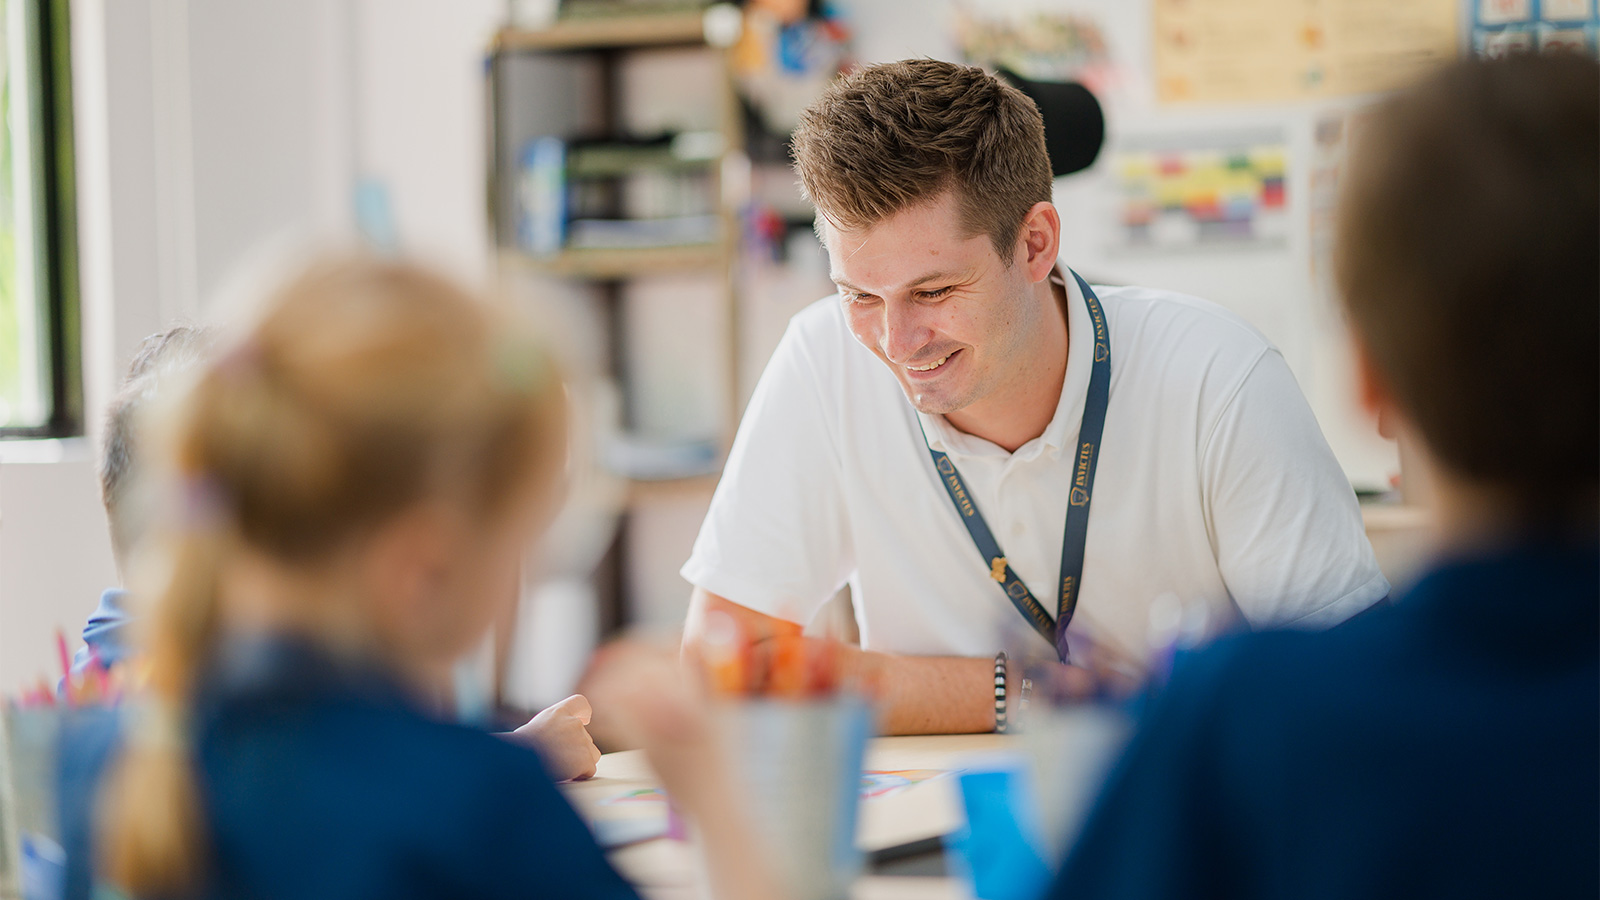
[
  {"x": 542, "y": 196},
  {"x": 623, "y": 234},
  {"x": 618, "y": 194},
  {"x": 689, "y": 149}
]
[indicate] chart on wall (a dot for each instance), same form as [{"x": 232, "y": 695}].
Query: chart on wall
[
  {"x": 1500, "y": 27},
  {"x": 1227, "y": 51},
  {"x": 1201, "y": 192}
]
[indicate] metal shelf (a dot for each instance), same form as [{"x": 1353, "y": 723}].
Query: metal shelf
[
  {"x": 617, "y": 264},
  {"x": 604, "y": 32}
]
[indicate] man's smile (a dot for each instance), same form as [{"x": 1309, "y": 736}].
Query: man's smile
[{"x": 930, "y": 370}]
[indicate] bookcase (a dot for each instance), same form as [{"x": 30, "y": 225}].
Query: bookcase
[{"x": 617, "y": 176}]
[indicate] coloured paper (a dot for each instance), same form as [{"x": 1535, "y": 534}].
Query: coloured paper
[{"x": 1220, "y": 51}]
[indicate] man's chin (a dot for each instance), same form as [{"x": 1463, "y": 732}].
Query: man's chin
[{"x": 930, "y": 403}]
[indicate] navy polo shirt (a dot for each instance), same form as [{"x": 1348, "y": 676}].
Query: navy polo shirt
[
  {"x": 1448, "y": 746},
  {"x": 322, "y": 781}
]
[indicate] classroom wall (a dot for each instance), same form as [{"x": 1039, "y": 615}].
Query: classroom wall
[
  {"x": 207, "y": 132},
  {"x": 1272, "y": 288},
  {"x": 194, "y": 146}
]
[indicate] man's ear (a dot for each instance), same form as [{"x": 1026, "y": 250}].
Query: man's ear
[
  {"x": 1372, "y": 390},
  {"x": 1041, "y": 240}
]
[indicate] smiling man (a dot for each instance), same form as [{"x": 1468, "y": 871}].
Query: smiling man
[{"x": 937, "y": 434}]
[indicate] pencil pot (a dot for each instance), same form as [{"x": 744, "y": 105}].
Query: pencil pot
[
  {"x": 800, "y": 765},
  {"x": 31, "y": 861}
]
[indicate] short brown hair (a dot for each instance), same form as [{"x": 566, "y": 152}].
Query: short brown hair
[
  {"x": 890, "y": 136},
  {"x": 1467, "y": 260},
  {"x": 161, "y": 358}
]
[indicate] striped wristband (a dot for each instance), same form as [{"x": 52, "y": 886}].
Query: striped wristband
[{"x": 1000, "y": 724}]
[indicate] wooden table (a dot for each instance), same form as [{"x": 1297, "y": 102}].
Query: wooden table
[{"x": 665, "y": 869}]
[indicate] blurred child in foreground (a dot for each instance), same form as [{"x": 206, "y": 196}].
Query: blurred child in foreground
[
  {"x": 360, "y": 476},
  {"x": 1448, "y": 746},
  {"x": 162, "y": 364}
]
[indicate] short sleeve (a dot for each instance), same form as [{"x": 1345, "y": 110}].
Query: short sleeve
[
  {"x": 1288, "y": 533},
  {"x": 776, "y": 538}
]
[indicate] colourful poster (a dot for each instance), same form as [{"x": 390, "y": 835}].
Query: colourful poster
[{"x": 1206, "y": 194}]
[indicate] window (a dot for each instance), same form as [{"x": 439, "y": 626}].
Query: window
[{"x": 41, "y": 393}]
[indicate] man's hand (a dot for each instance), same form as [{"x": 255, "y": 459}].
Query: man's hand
[
  {"x": 916, "y": 694},
  {"x": 558, "y": 733}
]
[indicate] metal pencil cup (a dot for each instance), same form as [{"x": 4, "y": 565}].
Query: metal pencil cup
[
  {"x": 1071, "y": 749},
  {"x": 31, "y": 864},
  {"x": 800, "y": 765}
]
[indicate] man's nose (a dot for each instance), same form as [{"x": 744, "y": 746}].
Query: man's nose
[{"x": 905, "y": 330}]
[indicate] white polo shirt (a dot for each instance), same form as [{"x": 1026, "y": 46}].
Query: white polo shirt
[{"x": 1214, "y": 484}]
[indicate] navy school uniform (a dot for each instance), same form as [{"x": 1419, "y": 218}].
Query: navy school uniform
[
  {"x": 1448, "y": 746},
  {"x": 323, "y": 780}
]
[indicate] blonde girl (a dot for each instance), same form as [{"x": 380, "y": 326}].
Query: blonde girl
[{"x": 359, "y": 477}]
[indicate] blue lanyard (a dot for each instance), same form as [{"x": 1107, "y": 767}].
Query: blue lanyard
[{"x": 1051, "y": 629}]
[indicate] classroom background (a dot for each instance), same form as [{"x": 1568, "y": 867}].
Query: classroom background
[{"x": 629, "y": 182}]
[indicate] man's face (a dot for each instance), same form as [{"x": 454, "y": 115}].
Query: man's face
[{"x": 947, "y": 316}]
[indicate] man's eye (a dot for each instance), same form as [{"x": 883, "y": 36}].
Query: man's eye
[
  {"x": 936, "y": 293},
  {"x": 859, "y": 299}
]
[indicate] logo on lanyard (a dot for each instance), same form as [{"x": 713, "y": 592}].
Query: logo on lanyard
[{"x": 1077, "y": 526}]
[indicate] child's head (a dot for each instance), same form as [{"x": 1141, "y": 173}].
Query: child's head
[
  {"x": 364, "y": 466},
  {"x": 373, "y": 409},
  {"x": 161, "y": 360},
  {"x": 1466, "y": 258}
]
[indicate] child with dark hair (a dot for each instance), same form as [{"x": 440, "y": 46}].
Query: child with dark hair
[
  {"x": 161, "y": 358},
  {"x": 1448, "y": 746}
]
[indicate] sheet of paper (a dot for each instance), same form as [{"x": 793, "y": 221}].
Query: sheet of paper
[{"x": 1226, "y": 51}]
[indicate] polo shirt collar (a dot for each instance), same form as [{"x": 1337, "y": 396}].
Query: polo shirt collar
[{"x": 1063, "y": 427}]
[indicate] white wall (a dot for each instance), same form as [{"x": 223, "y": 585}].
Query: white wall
[
  {"x": 421, "y": 116},
  {"x": 210, "y": 130}
]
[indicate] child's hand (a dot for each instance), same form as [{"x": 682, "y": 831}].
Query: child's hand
[
  {"x": 558, "y": 733},
  {"x": 659, "y": 704}
]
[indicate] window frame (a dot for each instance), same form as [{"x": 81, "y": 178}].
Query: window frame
[{"x": 48, "y": 35}]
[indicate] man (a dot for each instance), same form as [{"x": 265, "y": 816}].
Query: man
[
  {"x": 162, "y": 361},
  {"x": 1448, "y": 746},
  {"x": 928, "y": 435}
]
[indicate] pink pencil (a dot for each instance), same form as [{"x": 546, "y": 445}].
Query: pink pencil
[
  {"x": 66, "y": 658},
  {"x": 66, "y": 665}
]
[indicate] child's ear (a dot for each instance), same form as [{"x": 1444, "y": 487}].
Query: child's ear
[
  {"x": 1372, "y": 390},
  {"x": 408, "y": 563}
]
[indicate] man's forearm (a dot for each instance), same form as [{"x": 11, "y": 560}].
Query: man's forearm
[{"x": 931, "y": 694}]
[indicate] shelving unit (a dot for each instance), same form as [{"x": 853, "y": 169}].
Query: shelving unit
[
  {"x": 606, "y": 32},
  {"x": 571, "y": 81},
  {"x": 604, "y": 264}
]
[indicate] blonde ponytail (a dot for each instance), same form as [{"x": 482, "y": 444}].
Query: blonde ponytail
[
  {"x": 366, "y": 386},
  {"x": 152, "y": 831}
]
